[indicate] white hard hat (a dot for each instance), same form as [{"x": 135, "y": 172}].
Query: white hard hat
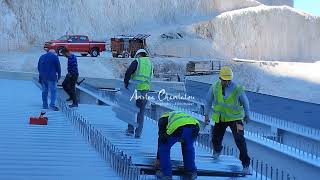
[{"x": 141, "y": 51}]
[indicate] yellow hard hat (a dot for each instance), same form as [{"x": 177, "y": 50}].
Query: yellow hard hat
[{"x": 226, "y": 73}]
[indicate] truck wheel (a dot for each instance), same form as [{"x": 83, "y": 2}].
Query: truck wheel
[
  {"x": 84, "y": 54},
  {"x": 58, "y": 51},
  {"x": 115, "y": 55},
  {"x": 94, "y": 52},
  {"x": 125, "y": 55}
]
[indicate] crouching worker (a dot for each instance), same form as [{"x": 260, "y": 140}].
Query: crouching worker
[{"x": 177, "y": 127}]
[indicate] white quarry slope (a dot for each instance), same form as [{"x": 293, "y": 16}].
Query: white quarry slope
[
  {"x": 32, "y": 22},
  {"x": 24, "y": 24},
  {"x": 228, "y": 5},
  {"x": 277, "y": 2},
  {"x": 263, "y": 32}
]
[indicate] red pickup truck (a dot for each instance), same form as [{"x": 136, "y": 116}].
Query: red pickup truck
[{"x": 76, "y": 43}]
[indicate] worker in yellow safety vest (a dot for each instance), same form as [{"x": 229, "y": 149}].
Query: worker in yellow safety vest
[
  {"x": 173, "y": 127},
  {"x": 140, "y": 72},
  {"x": 229, "y": 106}
]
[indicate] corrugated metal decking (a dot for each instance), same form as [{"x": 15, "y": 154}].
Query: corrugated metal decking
[
  {"x": 144, "y": 149},
  {"x": 56, "y": 151}
]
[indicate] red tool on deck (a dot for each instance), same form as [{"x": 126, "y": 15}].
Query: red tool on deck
[{"x": 41, "y": 120}]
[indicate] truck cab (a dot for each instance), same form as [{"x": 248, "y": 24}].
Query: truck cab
[{"x": 76, "y": 43}]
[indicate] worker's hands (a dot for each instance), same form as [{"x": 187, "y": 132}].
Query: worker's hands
[
  {"x": 246, "y": 119},
  {"x": 206, "y": 119}
]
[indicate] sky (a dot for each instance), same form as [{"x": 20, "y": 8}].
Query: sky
[{"x": 308, "y": 6}]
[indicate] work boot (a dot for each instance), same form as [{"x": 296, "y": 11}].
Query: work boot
[
  {"x": 190, "y": 176},
  {"x": 246, "y": 170},
  {"x": 73, "y": 105},
  {"x": 54, "y": 108},
  {"x": 215, "y": 155},
  {"x": 161, "y": 176},
  {"x": 137, "y": 135},
  {"x": 129, "y": 132}
]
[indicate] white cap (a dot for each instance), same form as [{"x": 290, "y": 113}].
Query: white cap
[
  {"x": 52, "y": 51},
  {"x": 140, "y": 51}
]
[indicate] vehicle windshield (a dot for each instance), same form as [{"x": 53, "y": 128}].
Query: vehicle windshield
[{"x": 63, "y": 37}]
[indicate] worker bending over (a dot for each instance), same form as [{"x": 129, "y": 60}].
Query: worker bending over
[{"x": 177, "y": 127}]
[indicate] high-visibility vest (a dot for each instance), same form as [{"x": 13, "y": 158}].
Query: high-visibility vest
[
  {"x": 143, "y": 73},
  {"x": 178, "y": 119},
  {"x": 227, "y": 110}
]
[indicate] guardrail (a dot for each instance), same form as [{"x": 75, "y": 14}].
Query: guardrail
[{"x": 309, "y": 132}]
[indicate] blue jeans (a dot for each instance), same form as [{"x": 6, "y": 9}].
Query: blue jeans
[
  {"x": 46, "y": 87},
  {"x": 188, "y": 152}
]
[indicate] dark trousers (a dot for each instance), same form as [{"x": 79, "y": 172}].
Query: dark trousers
[
  {"x": 69, "y": 85},
  {"x": 141, "y": 104},
  {"x": 238, "y": 134}
]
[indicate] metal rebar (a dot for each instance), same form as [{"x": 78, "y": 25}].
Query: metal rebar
[
  {"x": 261, "y": 172},
  {"x": 257, "y": 164},
  {"x": 266, "y": 171}
]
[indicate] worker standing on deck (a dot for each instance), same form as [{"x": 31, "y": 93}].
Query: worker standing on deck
[
  {"x": 230, "y": 106},
  {"x": 69, "y": 83},
  {"x": 49, "y": 73},
  {"x": 173, "y": 127},
  {"x": 140, "y": 72}
]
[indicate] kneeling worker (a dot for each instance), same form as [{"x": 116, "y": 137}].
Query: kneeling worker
[{"x": 173, "y": 127}]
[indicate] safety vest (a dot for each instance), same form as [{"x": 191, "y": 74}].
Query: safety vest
[
  {"x": 178, "y": 119},
  {"x": 143, "y": 73},
  {"x": 226, "y": 110}
]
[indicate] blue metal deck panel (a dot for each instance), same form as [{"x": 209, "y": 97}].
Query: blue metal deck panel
[
  {"x": 103, "y": 118},
  {"x": 55, "y": 151}
]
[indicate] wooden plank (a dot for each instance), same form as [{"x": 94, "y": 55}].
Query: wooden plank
[{"x": 178, "y": 171}]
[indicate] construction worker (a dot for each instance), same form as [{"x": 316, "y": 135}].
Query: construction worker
[
  {"x": 49, "y": 73},
  {"x": 69, "y": 83},
  {"x": 230, "y": 106},
  {"x": 173, "y": 127},
  {"x": 140, "y": 72}
]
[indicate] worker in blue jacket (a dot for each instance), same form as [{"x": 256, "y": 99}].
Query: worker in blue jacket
[
  {"x": 69, "y": 83},
  {"x": 49, "y": 73}
]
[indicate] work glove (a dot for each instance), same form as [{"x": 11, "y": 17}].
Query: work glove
[{"x": 246, "y": 119}]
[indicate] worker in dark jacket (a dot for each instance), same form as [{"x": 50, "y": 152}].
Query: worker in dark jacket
[
  {"x": 49, "y": 73},
  {"x": 69, "y": 83},
  {"x": 173, "y": 127},
  {"x": 140, "y": 73}
]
